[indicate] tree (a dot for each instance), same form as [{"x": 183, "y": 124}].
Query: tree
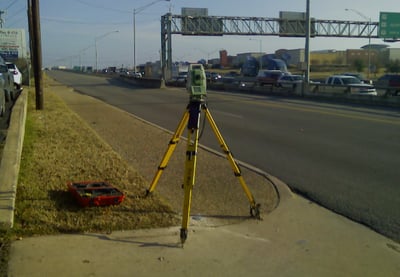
[
  {"x": 393, "y": 66},
  {"x": 358, "y": 65}
]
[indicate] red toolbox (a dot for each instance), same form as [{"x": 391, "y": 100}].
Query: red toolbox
[{"x": 95, "y": 193}]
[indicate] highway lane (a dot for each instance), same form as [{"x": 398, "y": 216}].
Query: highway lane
[{"x": 344, "y": 157}]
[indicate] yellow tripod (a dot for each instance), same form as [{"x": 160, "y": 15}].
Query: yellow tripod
[{"x": 191, "y": 118}]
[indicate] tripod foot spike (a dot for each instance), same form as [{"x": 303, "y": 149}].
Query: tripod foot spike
[
  {"x": 184, "y": 233},
  {"x": 147, "y": 192},
  {"x": 255, "y": 211}
]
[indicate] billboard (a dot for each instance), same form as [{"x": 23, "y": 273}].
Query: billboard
[
  {"x": 195, "y": 21},
  {"x": 389, "y": 25},
  {"x": 194, "y": 11},
  {"x": 293, "y": 24},
  {"x": 12, "y": 44},
  {"x": 211, "y": 26}
]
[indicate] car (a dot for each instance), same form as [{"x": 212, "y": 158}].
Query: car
[
  {"x": 2, "y": 95},
  {"x": 390, "y": 82},
  {"x": 352, "y": 85},
  {"x": 232, "y": 74},
  {"x": 213, "y": 76},
  {"x": 359, "y": 76},
  {"x": 136, "y": 74},
  {"x": 182, "y": 77},
  {"x": 8, "y": 78},
  {"x": 269, "y": 77},
  {"x": 17, "y": 76},
  {"x": 290, "y": 81}
]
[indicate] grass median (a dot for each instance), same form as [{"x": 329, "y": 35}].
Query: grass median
[{"x": 60, "y": 147}]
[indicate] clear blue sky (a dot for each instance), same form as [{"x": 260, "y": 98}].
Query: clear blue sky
[{"x": 69, "y": 28}]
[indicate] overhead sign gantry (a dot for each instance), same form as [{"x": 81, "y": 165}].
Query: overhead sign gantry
[{"x": 195, "y": 25}]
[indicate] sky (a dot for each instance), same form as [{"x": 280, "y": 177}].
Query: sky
[{"x": 71, "y": 28}]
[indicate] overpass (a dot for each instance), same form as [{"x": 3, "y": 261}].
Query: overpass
[{"x": 254, "y": 26}]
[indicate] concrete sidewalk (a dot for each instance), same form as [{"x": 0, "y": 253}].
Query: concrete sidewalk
[{"x": 299, "y": 238}]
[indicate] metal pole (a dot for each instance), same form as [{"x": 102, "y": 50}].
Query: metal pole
[
  {"x": 134, "y": 41},
  {"x": 369, "y": 48},
  {"x": 95, "y": 53},
  {"x": 95, "y": 44},
  {"x": 307, "y": 46},
  {"x": 261, "y": 55}
]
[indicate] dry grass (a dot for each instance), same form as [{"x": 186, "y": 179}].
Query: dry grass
[{"x": 60, "y": 147}]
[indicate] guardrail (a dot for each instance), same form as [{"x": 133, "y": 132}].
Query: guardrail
[{"x": 314, "y": 90}]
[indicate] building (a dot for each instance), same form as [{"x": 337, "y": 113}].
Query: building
[
  {"x": 366, "y": 56},
  {"x": 13, "y": 44},
  {"x": 292, "y": 57},
  {"x": 391, "y": 54},
  {"x": 223, "y": 58}
]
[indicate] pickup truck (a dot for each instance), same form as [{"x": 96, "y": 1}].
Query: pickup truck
[{"x": 349, "y": 84}]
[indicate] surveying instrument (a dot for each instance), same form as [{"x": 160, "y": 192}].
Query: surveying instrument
[{"x": 197, "y": 88}]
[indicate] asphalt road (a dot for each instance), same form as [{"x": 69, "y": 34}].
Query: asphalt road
[{"x": 345, "y": 157}]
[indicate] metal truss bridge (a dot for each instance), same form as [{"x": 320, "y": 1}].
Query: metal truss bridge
[{"x": 254, "y": 26}]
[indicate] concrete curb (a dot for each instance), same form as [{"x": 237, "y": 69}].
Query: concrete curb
[{"x": 10, "y": 162}]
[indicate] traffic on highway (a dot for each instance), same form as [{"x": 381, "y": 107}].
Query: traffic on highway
[{"x": 10, "y": 86}]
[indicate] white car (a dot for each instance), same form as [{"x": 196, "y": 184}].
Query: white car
[
  {"x": 353, "y": 84},
  {"x": 16, "y": 73},
  {"x": 290, "y": 81}
]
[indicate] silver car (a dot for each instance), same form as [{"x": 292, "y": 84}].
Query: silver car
[
  {"x": 290, "y": 81},
  {"x": 8, "y": 79}
]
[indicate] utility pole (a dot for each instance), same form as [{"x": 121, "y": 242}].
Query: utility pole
[
  {"x": 36, "y": 50},
  {"x": 1, "y": 18}
]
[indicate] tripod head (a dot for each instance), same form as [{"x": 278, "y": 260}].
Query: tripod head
[{"x": 196, "y": 83}]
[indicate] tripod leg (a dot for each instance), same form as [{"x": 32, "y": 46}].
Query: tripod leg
[
  {"x": 254, "y": 208},
  {"x": 168, "y": 153},
  {"x": 190, "y": 165}
]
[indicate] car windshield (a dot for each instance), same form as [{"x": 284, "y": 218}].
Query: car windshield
[{"x": 349, "y": 81}]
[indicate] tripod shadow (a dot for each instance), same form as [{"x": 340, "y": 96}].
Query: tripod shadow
[
  {"x": 142, "y": 240},
  {"x": 134, "y": 240}
]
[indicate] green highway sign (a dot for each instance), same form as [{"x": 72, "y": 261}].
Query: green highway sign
[{"x": 389, "y": 25}]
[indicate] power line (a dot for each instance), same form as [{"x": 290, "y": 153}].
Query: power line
[
  {"x": 11, "y": 4},
  {"x": 16, "y": 20},
  {"x": 73, "y": 21}
]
